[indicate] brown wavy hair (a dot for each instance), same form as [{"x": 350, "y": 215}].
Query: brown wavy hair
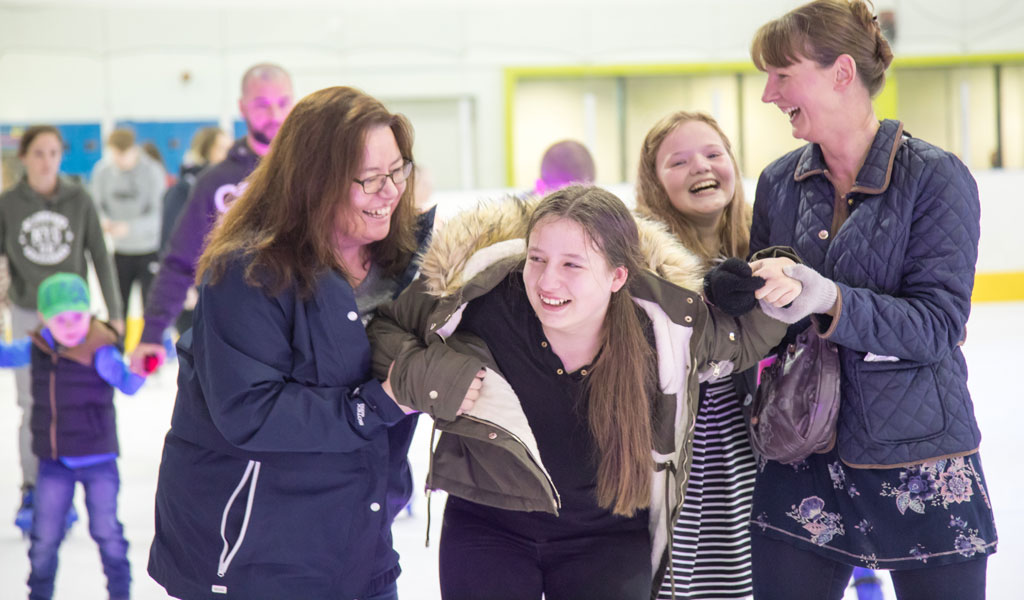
[
  {"x": 823, "y": 30},
  {"x": 620, "y": 385},
  {"x": 285, "y": 221},
  {"x": 652, "y": 200}
]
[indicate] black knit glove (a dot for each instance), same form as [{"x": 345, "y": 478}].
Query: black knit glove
[{"x": 730, "y": 286}]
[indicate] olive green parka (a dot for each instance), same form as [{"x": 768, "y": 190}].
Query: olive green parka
[{"x": 489, "y": 455}]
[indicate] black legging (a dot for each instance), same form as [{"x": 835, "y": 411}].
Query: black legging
[
  {"x": 132, "y": 268},
  {"x": 785, "y": 572},
  {"x": 479, "y": 561}
]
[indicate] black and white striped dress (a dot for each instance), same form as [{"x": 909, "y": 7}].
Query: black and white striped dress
[{"x": 711, "y": 546}]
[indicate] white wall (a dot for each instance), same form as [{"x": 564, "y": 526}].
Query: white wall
[{"x": 104, "y": 60}]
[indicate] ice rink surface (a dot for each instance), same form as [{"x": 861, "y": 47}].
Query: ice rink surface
[{"x": 994, "y": 355}]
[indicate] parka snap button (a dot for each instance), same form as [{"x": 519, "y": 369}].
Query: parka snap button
[
  {"x": 688, "y": 319},
  {"x": 352, "y": 315},
  {"x": 543, "y": 344},
  {"x": 689, "y": 300},
  {"x": 823, "y": 234},
  {"x": 560, "y": 372},
  {"x": 492, "y": 436},
  {"x": 433, "y": 394},
  {"x": 375, "y": 506}
]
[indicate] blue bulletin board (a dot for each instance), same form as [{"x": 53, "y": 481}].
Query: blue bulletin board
[
  {"x": 172, "y": 138},
  {"x": 83, "y": 145}
]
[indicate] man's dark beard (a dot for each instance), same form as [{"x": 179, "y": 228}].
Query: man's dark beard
[{"x": 258, "y": 135}]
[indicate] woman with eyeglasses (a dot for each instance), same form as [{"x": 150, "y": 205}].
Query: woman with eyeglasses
[{"x": 285, "y": 462}]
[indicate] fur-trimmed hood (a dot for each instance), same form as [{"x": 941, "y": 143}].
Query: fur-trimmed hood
[{"x": 495, "y": 229}]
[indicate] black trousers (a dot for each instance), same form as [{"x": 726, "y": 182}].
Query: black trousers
[
  {"x": 132, "y": 268},
  {"x": 479, "y": 561},
  {"x": 785, "y": 572}
]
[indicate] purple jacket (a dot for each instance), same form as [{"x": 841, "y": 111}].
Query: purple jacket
[{"x": 213, "y": 191}]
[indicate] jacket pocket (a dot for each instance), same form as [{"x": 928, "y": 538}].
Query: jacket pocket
[{"x": 900, "y": 402}]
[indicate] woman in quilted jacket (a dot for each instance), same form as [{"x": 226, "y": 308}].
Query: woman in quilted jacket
[{"x": 890, "y": 226}]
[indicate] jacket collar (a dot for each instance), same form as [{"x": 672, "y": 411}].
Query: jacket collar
[
  {"x": 241, "y": 153},
  {"x": 874, "y": 175},
  {"x": 493, "y": 232},
  {"x": 100, "y": 334}
]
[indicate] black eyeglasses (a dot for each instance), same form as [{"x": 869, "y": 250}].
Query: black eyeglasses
[{"x": 372, "y": 185}]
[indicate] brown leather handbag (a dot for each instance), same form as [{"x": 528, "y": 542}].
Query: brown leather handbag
[{"x": 797, "y": 401}]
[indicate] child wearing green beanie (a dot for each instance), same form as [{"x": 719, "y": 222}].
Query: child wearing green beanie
[{"x": 75, "y": 365}]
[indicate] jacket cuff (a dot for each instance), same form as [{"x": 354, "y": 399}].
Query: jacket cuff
[
  {"x": 776, "y": 252},
  {"x": 378, "y": 401},
  {"x": 825, "y": 325}
]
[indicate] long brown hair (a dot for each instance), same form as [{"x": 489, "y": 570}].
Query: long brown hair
[
  {"x": 652, "y": 200},
  {"x": 620, "y": 381},
  {"x": 823, "y": 30},
  {"x": 285, "y": 221}
]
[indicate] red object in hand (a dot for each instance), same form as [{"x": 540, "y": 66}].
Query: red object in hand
[{"x": 150, "y": 362}]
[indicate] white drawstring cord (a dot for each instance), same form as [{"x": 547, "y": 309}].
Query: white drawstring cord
[{"x": 228, "y": 553}]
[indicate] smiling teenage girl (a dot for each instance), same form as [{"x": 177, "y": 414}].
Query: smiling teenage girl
[
  {"x": 564, "y": 476},
  {"x": 688, "y": 179}
]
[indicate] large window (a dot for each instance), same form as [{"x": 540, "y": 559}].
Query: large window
[{"x": 971, "y": 106}]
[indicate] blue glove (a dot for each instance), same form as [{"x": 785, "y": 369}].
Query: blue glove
[
  {"x": 817, "y": 296},
  {"x": 16, "y": 354},
  {"x": 110, "y": 365}
]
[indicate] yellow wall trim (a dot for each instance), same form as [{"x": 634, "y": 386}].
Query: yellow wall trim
[
  {"x": 988, "y": 287},
  {"x": 999, "y": 287}
]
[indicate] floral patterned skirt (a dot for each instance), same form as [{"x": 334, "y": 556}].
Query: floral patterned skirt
[{"x": 930, "y": 514}]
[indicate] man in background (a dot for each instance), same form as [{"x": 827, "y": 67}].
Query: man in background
[
  {"x": 128, "y": 188},
  {"x": 564, "y": 163},
  {"x": 266, "y": 100}
]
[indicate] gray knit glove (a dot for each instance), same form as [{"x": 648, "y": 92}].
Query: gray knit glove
[{"x": 817, "y": 297}]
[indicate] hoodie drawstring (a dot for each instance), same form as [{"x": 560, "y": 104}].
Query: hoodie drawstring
[
  {"x": 430, "y": 470},
  {"x": 669, "y": 480},
  {"x": 228, "y": 553}
]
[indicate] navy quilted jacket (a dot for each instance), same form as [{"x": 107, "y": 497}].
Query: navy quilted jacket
[{"x": 904, "y": 262}]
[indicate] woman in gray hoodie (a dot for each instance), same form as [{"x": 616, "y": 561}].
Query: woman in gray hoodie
[{"x": 47, "y": 224}]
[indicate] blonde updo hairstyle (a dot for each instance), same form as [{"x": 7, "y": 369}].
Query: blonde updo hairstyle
[{"x": 822, "y": 31}]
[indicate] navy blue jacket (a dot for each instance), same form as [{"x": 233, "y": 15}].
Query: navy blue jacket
[
  {"x": 904, "y": 262},
  {"x": 279, "y": 427},
  {"x": 174, "y": 201},
  {"x": 73, "y": 406}
]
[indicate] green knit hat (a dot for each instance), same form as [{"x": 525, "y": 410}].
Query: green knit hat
[{"x": 62, "y": 292}]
